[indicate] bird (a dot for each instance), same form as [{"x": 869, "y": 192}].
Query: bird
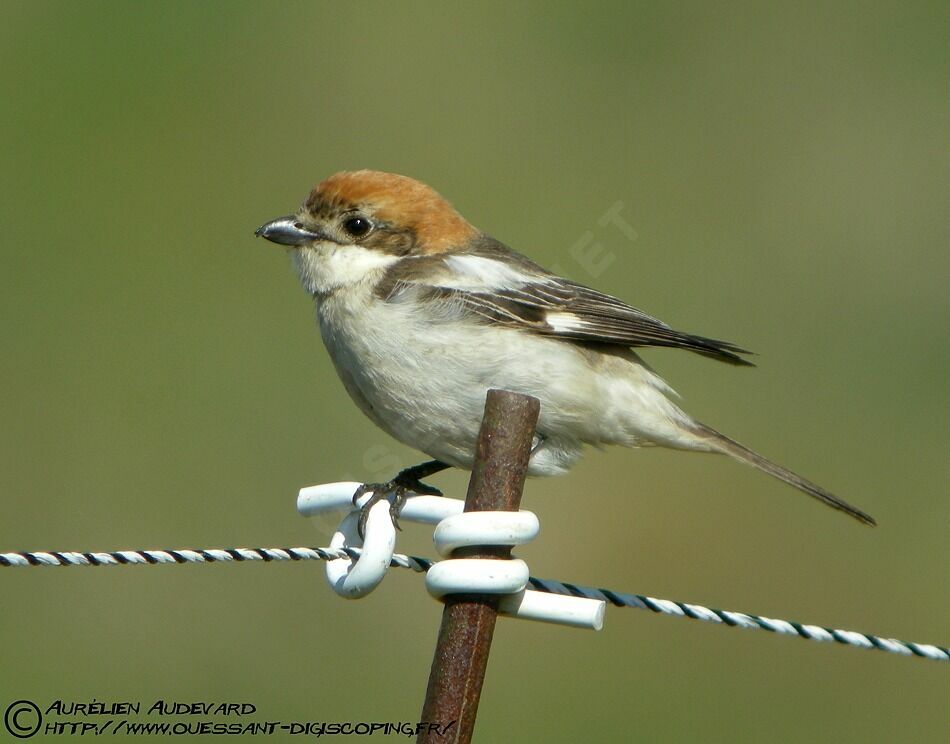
[{"x": 422, "y": 313}]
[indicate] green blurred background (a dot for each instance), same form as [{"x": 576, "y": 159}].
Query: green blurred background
[{"x": 162, "y": 383}]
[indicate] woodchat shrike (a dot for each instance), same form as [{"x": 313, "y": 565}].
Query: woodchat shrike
[{"x": 422, "y": 314}]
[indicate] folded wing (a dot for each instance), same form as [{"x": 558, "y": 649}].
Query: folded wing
[{"x": 499, "y": 286}]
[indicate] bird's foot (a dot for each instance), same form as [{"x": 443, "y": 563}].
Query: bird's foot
[{"x": 397, "y": 491}]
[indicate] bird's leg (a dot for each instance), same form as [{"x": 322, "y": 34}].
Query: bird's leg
[{"x": 395, "y": 491}]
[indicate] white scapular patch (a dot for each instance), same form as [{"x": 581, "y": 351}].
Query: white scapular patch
[
  {"x": 480, "y": 273},
  {"x": 564, "y": 322}
]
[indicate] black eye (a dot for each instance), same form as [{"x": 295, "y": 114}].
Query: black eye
[{"x": 357, "y": 226}]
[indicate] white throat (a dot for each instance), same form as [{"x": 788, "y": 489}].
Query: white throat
[{"x": 326, "y": 266}]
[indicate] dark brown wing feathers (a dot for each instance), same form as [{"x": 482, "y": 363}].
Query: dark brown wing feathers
[
  {"x": 548, "y": 305},
  {"x": 600, "y": 318}
]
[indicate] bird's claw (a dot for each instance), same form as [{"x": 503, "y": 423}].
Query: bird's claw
[{"x": 396, "y": 492}]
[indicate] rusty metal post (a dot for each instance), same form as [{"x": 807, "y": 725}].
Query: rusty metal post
[{"x": 468, "y": 620}]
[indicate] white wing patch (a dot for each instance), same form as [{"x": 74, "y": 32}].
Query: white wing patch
[
  {"x": 564, "y": 322},
  {"x": 477, "y": 273}
]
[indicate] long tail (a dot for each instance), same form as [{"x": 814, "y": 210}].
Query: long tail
[{"x": 722, "y": 443}]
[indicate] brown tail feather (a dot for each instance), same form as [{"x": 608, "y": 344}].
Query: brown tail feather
[{"x": 728, "y": 446}]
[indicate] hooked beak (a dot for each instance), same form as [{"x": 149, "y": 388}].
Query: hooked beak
[{"x": 287, "y": 231}]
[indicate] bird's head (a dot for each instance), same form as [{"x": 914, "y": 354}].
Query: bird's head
[{"x": 356, "y": 223}]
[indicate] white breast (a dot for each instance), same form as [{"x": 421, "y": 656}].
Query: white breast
[{"x": 421, "y": 373}]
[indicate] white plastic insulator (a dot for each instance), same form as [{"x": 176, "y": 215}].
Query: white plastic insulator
[
  {"x": 577, "y": 612},
  {"x": 476, "y": 576},
  {"x": 504, "y": 577},
  {"x": 355, "y": 579},
  {"x": 485, "y": 528},
  {"x": 326, "y": 498},
  {"x": 455, "y": 529},
  {"x": 334, "y": 497}
]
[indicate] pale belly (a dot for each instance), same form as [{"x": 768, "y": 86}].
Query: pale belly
[{"x": 425, "y": 384}]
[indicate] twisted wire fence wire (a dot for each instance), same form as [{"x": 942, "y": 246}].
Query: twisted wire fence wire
[{"x": 421, "y": 565}]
